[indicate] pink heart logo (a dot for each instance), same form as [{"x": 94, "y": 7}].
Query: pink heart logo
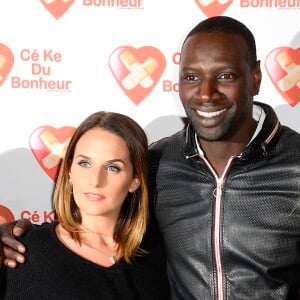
[
  {"x": 213, "y": 8},
  {"x": 137, "y": 71},
  {"x": 6, "y": 62},
  {"x": 57, "y": 7},
  {"x": 283, "y": 67},
  {"x": 48, "y": 145}
]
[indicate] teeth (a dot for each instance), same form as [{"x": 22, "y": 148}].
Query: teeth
[{"x": 210, "y": 114}]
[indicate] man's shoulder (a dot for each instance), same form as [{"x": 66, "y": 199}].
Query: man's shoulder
[
  {"x": 290, "y": 138},
  {"x": 174, "y": 139},
  {"x": 290, "y": 133}
]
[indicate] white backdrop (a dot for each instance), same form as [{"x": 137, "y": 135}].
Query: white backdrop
[{"x": 61, "y": 60}]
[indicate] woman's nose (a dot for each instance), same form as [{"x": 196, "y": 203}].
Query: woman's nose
[{"x": 97, "y": 178}]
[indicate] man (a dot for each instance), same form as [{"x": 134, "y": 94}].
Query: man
[{"x": 225, "y": 190}]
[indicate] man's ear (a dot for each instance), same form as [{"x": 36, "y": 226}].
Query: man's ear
[{"x": 256, "y": 79}]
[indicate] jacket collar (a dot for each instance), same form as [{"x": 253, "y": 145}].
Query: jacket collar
[{"x": 260, "y": 142}]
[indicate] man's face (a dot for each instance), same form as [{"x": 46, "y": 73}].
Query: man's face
[{"x": 217, "y": 85}]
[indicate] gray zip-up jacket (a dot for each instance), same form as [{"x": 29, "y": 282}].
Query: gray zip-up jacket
[{"x": 236, "y": 236}]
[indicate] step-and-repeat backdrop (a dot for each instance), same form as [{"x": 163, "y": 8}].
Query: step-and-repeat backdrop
[{"x": 61, "y": 60}]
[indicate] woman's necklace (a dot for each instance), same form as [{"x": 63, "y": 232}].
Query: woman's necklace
[
  {"x": 85, "y": 241},
  {"x": 87, "y": 230},
  {"x": 111, "y": 258}
]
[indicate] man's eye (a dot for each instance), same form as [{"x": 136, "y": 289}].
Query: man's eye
[
  {"x": 190, "y": 77},
  {"x": 84, "y": 164},
  {"x": 227, "y": 76}
]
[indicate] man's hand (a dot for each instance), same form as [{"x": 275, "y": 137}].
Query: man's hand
[{"x": 11, "y": 250}]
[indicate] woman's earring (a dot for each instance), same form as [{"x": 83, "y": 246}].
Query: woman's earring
[{"x": 133, "y": 196}]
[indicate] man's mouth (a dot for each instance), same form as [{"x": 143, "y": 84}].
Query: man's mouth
[{"x": 211, "y": 114}]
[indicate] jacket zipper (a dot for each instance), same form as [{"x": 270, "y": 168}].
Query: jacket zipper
[
  {"x": 217, "y": 240},
  {"x": 220, "y": 286}
]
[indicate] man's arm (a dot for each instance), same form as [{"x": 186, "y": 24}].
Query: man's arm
[{"x": 11, "y": 250}]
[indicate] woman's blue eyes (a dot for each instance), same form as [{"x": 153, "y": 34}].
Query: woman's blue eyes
[
  {"x": 84, "y": 164},
  {"x": 110, "y": 168},
  {"x": 113, "y": 168}
]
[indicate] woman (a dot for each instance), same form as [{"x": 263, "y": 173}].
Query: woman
[{"x": 94, "y": 249}]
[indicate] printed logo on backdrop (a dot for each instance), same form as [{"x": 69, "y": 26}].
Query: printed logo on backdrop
[
  {"x": 5, "y": 215},
  {"x": 41, "y": 65},
  {"x": 48, "y": 146},
  {"x": 270, "y": 4},
  {"x": 120, "y": 4},
  {"x": 137, "y": 71},
  {"x": 213, "y": 8},
  {"x": 283, "y": 67},
  {"x": 34, "y": 216},
  {"x": 6, "y": 62},
  {"x": 57, "y": 8}
]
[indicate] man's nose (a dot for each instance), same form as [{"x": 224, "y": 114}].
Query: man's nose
[{"x": 208, "y": 90}]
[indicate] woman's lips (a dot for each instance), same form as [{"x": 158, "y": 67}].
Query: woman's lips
[{"x": 94, "y": 197}]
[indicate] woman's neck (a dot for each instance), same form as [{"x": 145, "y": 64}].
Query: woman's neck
[
  {"x": 99, "y": 226},
  {"x": 98, "y": 247}
]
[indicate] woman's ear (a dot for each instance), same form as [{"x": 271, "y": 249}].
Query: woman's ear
[{"x": 134, "y": 185}]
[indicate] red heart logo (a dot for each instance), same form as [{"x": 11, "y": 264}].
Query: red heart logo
[
  {"x": 48, "y": 145},
  {"x": 137, "y": 71},
  {"x": 283, "y": 67},
  {"x": 6, "y": 62},
  {"x": 57, "y": 7},
  {"x": 213, "y": 7},
  {"x": 5, "y": 215}
]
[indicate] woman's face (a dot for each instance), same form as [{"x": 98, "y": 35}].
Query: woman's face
[{"x": 101, "y": 173}]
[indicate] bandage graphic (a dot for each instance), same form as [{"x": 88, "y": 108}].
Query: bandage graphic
[
  {"x": 57, "y": 149},
  {"x": 139, "y": 73},
  {"x": 209, "y": 2},
  {"x": 293, "y": 72},
  {"x": 2, "y": 63}
]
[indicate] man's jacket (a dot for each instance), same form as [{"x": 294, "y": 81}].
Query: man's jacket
[{"x": 238, "y": 236}]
